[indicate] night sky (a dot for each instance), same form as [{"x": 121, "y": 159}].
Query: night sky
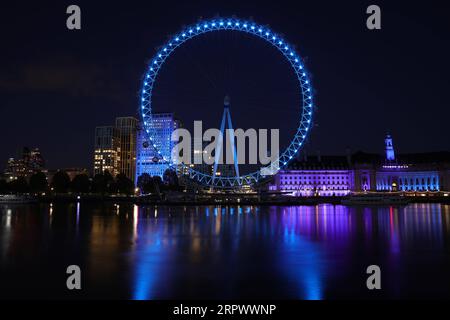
[{"x": 56, "y": 85}]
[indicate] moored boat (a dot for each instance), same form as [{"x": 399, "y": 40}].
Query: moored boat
[
  {"x": 376, "y": 199},
  {"x": 12, "y": 199}
]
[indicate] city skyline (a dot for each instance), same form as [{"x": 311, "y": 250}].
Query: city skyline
[
  {"x": 389, "y": 100},
  {"x": 225, "y": 158}
]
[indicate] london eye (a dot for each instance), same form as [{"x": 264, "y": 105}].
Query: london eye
[{"x": 286, "y": 50}]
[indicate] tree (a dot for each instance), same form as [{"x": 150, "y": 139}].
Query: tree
[
  {"x": 110, "y": 183},
  {"x": 144, "y": 183},
  {"x": 157, "y": 180},
  {"x": 61, "y": 182},
  {"x": 3, "y": 187},
  {"x": 19, "y": 185},
  {"x": 156, "y": 184},
  {"x": 38, "y": 182},
  {"x": 103, "y": 183},
  {"x": 124, "y": 184},
  {"x": 98, "y": 183},
  {"x": 81, "y": 184},
  {"x": 170, "y": 178},
  {"x": 108, "y": 178},
  {"x": 112, "y": 187}
]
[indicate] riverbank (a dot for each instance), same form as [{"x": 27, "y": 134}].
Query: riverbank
[{"x": 195, "y": 200}]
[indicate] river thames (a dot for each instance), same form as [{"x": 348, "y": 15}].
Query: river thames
[{"x": 207, "y": 252}]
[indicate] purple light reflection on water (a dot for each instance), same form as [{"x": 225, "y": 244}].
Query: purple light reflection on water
[{"x": 301, "y": 252}]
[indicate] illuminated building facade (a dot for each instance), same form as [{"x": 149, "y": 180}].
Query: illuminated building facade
[
  {"x": 127, "y": 128},
  {"x": 148, "y": 159},
  {"x": 328, "y": 176},
  {"x": 115, "y": 147},
  {"x": 316, "y": 176},
  {"x": 106, "y": 150},
  {"x": 407, "y": 180},
  {"x": 421, "y": 172}
]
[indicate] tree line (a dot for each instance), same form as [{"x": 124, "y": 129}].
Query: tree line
[
  {"x": 102, "y": 183},
  {"x": 148, "y": 184}
]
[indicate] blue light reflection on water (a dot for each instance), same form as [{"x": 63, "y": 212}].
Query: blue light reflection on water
[
  {"x": 303, "y": 237},
  {"x": 149, "y": 254},
  {"x": 148, "y": 268},
  {"x": 298, "y": 252},
  {"x": 302, "y": 264}
]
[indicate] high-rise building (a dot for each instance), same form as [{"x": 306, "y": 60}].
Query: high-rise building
[
  {"x": 127, "y": 130},
  {"x": 15, "y": 168},
  {"x": 31, "y": 162},
  {"x": 107, "y": 149},
  {"x": 33, "y": 159},
  {"x": 148, "y": 159}
]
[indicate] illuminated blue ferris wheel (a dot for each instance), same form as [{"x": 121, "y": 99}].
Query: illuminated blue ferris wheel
[{"x": 230, "y": 24}]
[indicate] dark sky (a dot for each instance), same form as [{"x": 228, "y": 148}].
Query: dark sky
[{"x": 56, "y": 85}]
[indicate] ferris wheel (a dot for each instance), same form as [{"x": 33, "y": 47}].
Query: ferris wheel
[{"x": 285, "y": 49}]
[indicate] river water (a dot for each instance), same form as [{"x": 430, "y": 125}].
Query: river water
[{"x": 207, "y": 252}]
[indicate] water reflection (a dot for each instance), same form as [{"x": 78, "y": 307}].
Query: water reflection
[
  {"x": 303, "y": 252},
  {"x": 149, "y": 255}
]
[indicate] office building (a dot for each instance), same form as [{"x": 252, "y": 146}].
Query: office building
[
  {"x": 153, "y": 157},
  {"x": 106, "y": 150},
  {"x": 127, "y": 128},
  {"x": 29, "y": 163}
]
